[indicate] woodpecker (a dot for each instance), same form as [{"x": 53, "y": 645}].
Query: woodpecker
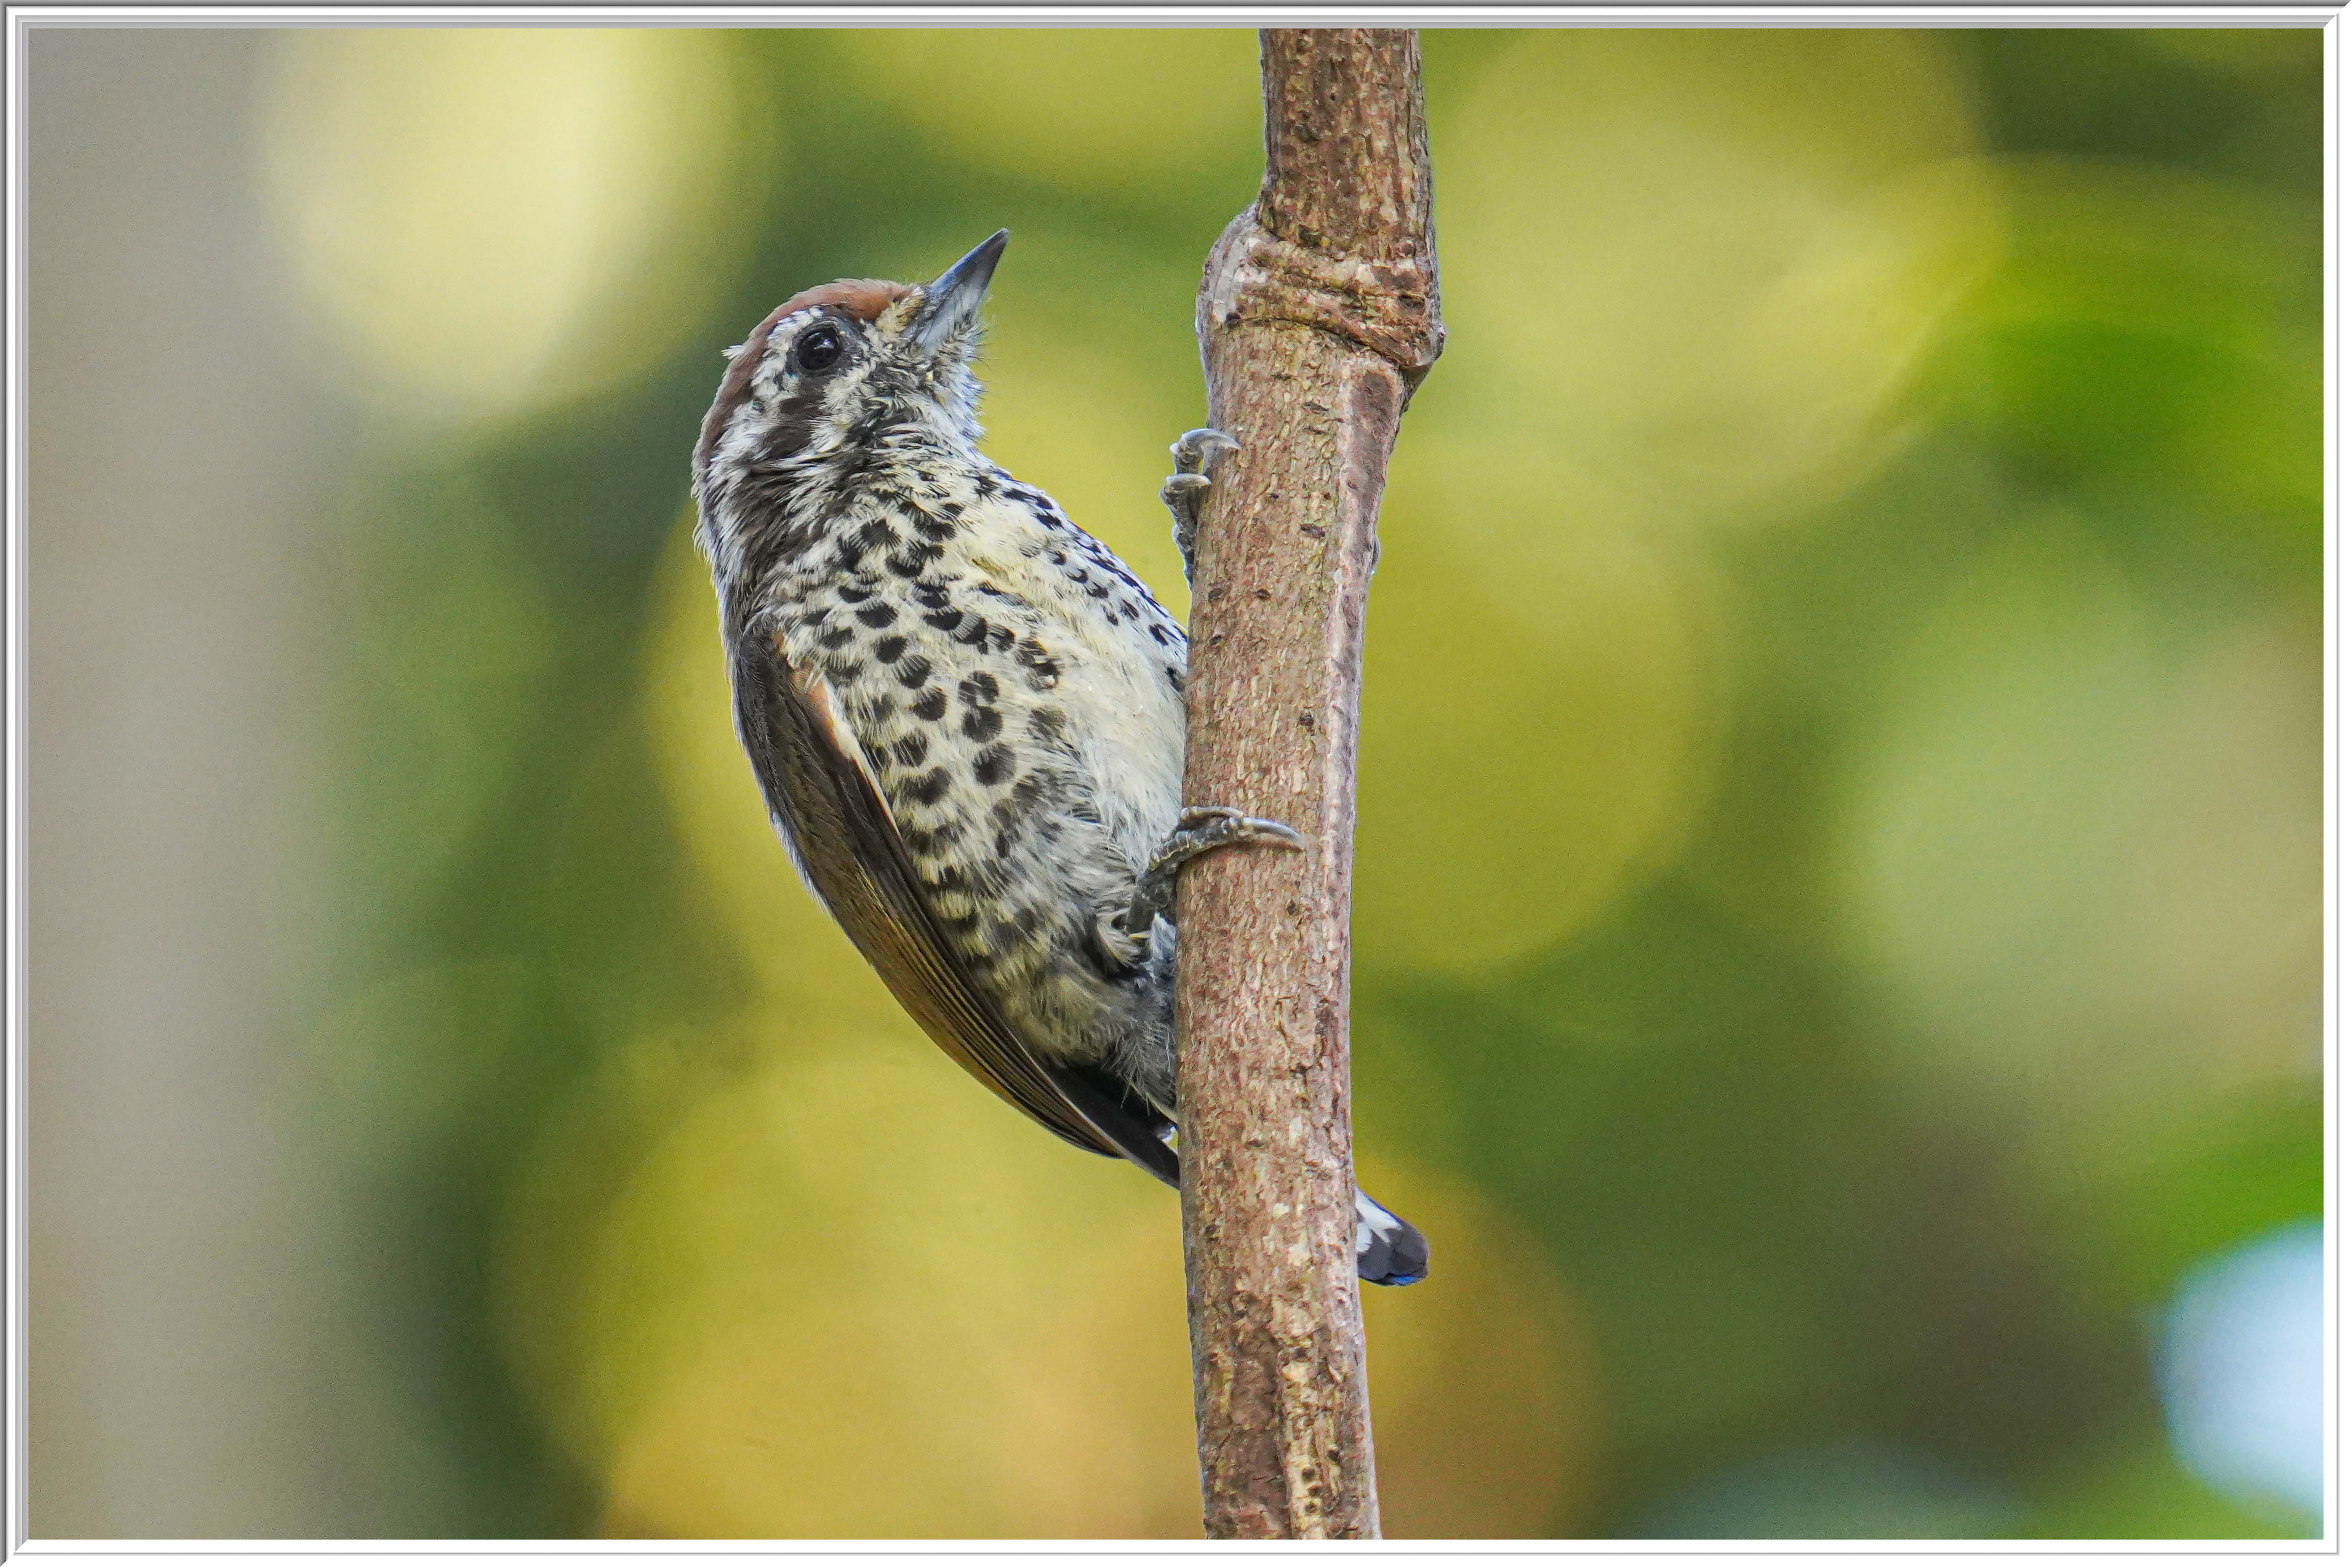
[{"x": 965, "y": 713}]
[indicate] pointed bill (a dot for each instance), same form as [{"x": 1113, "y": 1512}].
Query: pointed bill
[{"x": 951, "y": 301}]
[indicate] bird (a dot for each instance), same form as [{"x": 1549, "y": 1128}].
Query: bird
[{"x": 966, "y": 715}]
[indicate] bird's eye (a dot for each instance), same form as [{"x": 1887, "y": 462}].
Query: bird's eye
[{"x": 818, "y": 347}]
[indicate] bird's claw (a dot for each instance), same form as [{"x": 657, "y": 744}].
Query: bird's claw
[
  {"x": 1196, "y": 449},
  {"x": 1198, "y": 830},
  {"x": 1182, "y": 491},
  {"x": 1224, "y": 820}
]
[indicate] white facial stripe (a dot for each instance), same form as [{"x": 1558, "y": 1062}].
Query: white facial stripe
[{"x": 772, "y": 373}]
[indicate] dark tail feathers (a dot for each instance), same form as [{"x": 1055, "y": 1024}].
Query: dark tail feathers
[{"x": 1389, "y": 1251}]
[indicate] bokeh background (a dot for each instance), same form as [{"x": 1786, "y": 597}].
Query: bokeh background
[{"x": 1839, "y": 927}]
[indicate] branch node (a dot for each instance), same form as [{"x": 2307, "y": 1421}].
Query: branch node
[{"x": 1385, "y": 305}]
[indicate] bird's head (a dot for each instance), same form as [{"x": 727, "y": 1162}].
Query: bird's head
[{"x": 837, "y": 374}]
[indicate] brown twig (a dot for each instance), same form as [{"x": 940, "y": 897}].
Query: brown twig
[{"x": 1317, "y": 316}]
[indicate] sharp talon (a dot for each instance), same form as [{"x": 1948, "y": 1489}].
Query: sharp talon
[
  {"x": 1196, "y": 449},
  {"x": 1182, "y": 491},
  {"x": 1225, "y": 819},
  {"x": 1254, "y": 826},
  {"x": 1198, "y": 830}
]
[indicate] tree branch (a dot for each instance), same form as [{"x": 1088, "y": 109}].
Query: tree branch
[{"x": 1318, "y": 317}]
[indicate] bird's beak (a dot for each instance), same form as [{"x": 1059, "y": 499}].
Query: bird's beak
[{"x": 951, "y": 301}]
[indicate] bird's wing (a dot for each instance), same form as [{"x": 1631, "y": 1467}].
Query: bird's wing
[{"x": 823, "y": 794}]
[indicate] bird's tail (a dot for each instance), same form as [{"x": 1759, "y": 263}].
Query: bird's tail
[{"x": 1389, "y": 1250}]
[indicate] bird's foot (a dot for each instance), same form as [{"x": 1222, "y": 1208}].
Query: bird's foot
[
  {"x": 1198, "y": 830},
  {"x": 1182, "y": 491}
]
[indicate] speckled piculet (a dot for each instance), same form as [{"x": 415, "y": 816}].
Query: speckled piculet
[{"x": 966, "y": 714}]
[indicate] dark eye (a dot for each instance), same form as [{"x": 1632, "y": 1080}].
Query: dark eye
[{"x": 818, "y": 347}]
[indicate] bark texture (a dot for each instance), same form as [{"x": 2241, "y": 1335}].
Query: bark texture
[{"x": 1318, "y": 317}]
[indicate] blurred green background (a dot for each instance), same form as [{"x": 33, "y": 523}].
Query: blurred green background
[{"x": 1839, "y": 906}]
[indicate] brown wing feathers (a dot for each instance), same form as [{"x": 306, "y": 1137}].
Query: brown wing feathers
[{"x": 816, "y": 779}]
